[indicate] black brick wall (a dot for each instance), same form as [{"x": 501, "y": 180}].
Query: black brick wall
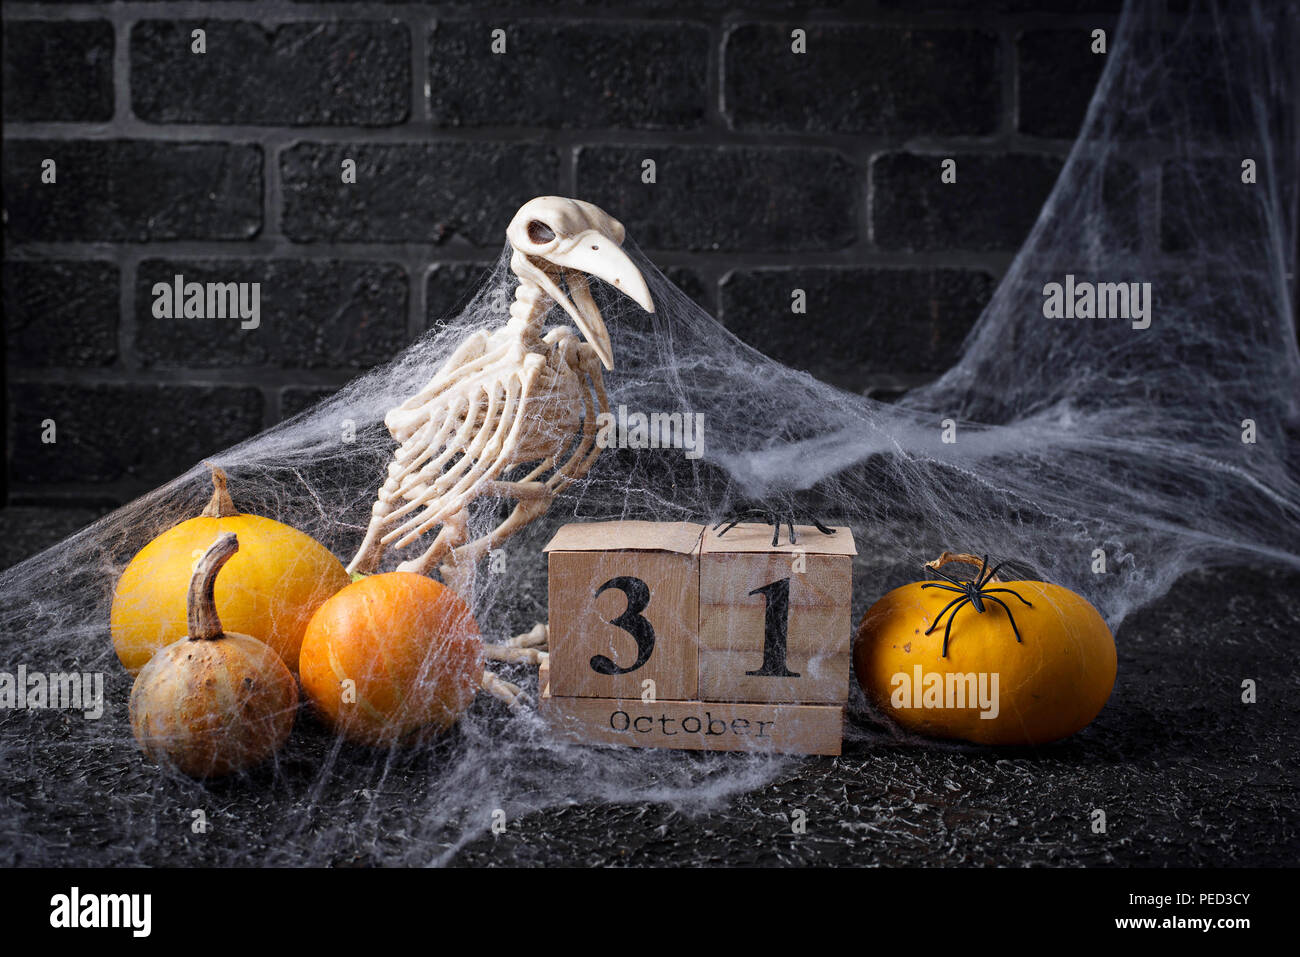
[{"x": 774, "y": 171}]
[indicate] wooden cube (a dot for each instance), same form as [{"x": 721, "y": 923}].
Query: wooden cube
[
  {"x": 747, "y": 644},
  {"x": 624, "y": 608},
  {"x": 775, "y": 621},
  {"x": 693, "y": 725}
]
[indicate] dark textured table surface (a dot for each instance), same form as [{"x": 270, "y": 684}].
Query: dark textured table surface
[{"x": 1186, "y": 773}]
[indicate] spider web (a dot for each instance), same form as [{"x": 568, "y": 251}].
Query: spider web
[{"x": 1072, "y": 435}]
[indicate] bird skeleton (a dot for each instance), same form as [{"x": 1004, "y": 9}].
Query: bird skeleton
[{"x": 516, "y": 398}]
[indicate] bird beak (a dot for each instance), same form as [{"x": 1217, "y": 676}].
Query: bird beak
[{"x": 592, "y": 253}]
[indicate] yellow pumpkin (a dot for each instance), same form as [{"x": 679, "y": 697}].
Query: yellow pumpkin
[
  {"x": 269, "y": 590},
  {"x": 1028, "y": 663}
]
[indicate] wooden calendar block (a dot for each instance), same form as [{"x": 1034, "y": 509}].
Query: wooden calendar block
[
  {"x": 624, "y": 608},
  {"x": 775, "y": 622},
  {"x": 694, "y": 725}
]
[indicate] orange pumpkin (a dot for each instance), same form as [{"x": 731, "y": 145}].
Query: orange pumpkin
[
  {"x": 1029, "y": 663},
  {"x": 269, "y": 590},
  {"x": 391, "y": 658}
]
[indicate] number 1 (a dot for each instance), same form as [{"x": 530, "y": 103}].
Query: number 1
[{"x": 776, "y": 629}]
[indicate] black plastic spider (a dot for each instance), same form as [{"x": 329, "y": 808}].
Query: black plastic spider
[
  {"x": 972, "y": 592},
  {"x": 768, "y": 517}
]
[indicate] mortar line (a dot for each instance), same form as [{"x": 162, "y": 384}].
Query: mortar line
[{"x": 288, "y": 13}]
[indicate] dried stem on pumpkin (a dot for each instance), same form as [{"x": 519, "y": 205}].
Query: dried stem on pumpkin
[{"x": 201, "y": 605}]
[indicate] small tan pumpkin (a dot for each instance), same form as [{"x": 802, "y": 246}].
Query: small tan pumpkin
[{"x": 217, "y": 701}]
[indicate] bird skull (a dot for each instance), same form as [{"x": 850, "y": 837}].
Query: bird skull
[{"x": 556, "y": 238}]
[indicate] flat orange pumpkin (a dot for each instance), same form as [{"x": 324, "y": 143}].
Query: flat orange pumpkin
[
  {"x": 1042, "y": 684},
  {"x": 269, "y": 590},
  {"x": 391, "y": 658}
]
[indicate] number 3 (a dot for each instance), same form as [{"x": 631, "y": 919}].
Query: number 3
[{"x": 631, "y": 621}]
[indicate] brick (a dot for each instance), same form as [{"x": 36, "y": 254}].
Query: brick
[
  {"x": 725, "y": 198},
  {"x": 696, "y": 287},
  {"x": 1201, "y": 91},
  {"x": 1215, "y": 96},
  {"x": 1203, "y": 201},
  {"x": 58, "y": 71},
  {"x": 449, "y": 287},
  {"x": 1056, "y": 77},
  {"x": 904, "y": 321},
  {"x": 1003, "y": 6},
  {"x": 108, "y": 433},
  {"x": 411, "y": 193},
  {"x": 992, "y": 206},
  {"x": 27, "y": 530},
  {"x": 297, "y": 399},
  {"x": 132, "y": 191},
  {"x": 568, "y": 75},
  {"x": 353, "y": 73},
  {"x": 314, "y": 314},
  {"x": 61, "y": 313},
  {"x": 860, "y": 79},
  {"x": 712, "y": 8}
]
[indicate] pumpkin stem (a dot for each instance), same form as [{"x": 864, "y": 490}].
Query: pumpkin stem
[
  {"x": 221, "y": 505},
  {"x": 201, "y": 606},
  {"x": 964, "y": 558}
]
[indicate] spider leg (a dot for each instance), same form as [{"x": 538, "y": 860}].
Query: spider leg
[
  {"x": 945, "y": 587},
  {"x": 943, "y": 574},
  {"x": 939, "y": 617},
  {"x": 984, "y": 567},
  {"x": 768, "y": 517},
  {"x": 1009, "y": 592},
  {"x": 737, "y": 518},
  {"x": 996, "y": 568},
  {"x": 1010, "y": 616},
  {"x": 948, "y": 631}
]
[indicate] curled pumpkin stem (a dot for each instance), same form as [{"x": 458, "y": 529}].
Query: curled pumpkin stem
[
  {"x": 201, "y": 605},
  {"x": 970, "y": 592},
  {"x": 966, "y": 559}
]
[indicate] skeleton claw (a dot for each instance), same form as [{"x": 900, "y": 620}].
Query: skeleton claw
[
  {"x": 511, "y": 694},
  {"x": 495, "y": 652},
  {"x": 538, "y": 637}
]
